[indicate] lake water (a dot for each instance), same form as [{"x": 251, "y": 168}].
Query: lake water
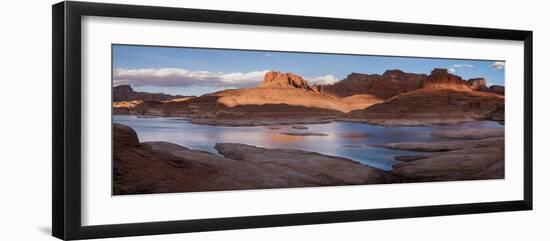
[{"x": 344, "y": 139}]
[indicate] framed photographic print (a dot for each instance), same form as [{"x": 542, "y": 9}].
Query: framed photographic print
[{"x": 170, "y": 120}]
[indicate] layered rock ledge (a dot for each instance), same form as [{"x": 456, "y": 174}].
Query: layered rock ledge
[
  {"x": 163, "y": 167},
  {"x": 431, "y": 106},
  {"x": 481, "y": 156}
]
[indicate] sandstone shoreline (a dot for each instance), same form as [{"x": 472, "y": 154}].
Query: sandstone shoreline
[
  {"x": 164, "y": 167},
  {"x": 236, "y": 122},
  {"x": 252, "y": 121},
  {"x": 477, "y": 155},
  {"x": 297, "y": 119}
]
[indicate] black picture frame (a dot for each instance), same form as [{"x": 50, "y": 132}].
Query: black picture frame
[{"x": 66, "y": 75}]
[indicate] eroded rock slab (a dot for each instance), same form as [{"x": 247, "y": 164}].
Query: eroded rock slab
[
  {"x": 470, "y": 133},
  {"x": 440, "y": 146},
  {"x": 410, "y": 158},
  {"x": 312, "y": 167},
  {"x": 466, "y": 164},
  {"x": 139, "y": 169},
  {"x": 305, "y": 133},
  {"x": 262, "y": 121},
  {"x": 452, "y": 160}
]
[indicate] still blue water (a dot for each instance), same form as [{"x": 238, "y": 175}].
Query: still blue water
[{"x": 344, "y": 139}]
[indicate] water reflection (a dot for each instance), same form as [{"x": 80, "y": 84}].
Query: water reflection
[
  {"x": 275, "y": 137},
  {"x": 350, "y": 140}
]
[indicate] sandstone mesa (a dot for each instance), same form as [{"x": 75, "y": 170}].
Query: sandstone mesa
[{"x": 393, "y": 98}]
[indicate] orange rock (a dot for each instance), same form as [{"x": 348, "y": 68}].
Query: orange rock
[
  {"x": 441, "y": 79},
  {"x": 275, "y": 79},
  {"x": 387, "y": 85}
]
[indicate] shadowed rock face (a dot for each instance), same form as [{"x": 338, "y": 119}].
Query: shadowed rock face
[
  {"x": 444, "y": 99},
  {"x": 275, "y": 79},
  {"x": 432, "y": 106},
  {"x": 126, "y": 93},
  {"x": 498, "y": 89},
  {"x": 441, "y": 79},
  {"x": 384, "y": 86},
  {"x": 122, "y": 93},
  {"x": 124, "y": 136},
  {"x": 478, "y": 84},
  {"x": 139, "y": 168},
  {"x": 395, "y": 82}
]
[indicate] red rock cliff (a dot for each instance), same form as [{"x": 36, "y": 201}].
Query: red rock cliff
[
  {"x": 478, "y": 84},
  {"x": 387, "y": 85},
  {"x": 126, "y": 93},
  {"x": 498, "y": 89},
  {"x": 441, "y": 79},
  {"x": 275, "y": 79}
]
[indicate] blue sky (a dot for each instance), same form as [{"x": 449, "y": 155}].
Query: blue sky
[{"x": 197, "y": 71}]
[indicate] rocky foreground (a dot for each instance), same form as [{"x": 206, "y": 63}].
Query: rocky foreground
[
  {"x": 477, "y": 154},
  {"x": 163, "y": 167}
]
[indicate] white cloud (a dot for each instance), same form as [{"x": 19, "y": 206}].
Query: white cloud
[
  {"x": 183, "y": 77},
  {"x": 169, "y": 77},
  {"x": 462, "y": 66},
  {"x": 322, "y": 80},
  {"x": 498, "y": 65},
  {"x": 236, "y": 79},
  {"x": 454, "y": 68}
]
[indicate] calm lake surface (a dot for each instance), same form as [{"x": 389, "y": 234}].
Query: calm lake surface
[{"x": 344, "y": 139}]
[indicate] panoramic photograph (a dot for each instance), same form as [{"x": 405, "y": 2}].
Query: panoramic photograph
[{"x": 202, "y": 119}]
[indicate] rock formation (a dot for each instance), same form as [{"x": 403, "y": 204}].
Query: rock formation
[
  {"x": 126, "y": 101},
  {"x": 441, "y": 79},
  {"x": 470, "y": 133},
  {"x": 479, "y": 156},
  {"x": 126, "y": 93},
  {"x": 123, "y": 93},
  {"x": 275, "y": 79},
  {"x": 282, "y": 98},
  {"x": 431, "y": 106},
  {"x": 384, "y": 86},
  {"x": 394, "y": 82},
  {"x": 310, "y": 167},
  {"x": 478, "y": 84},
  {"x": 498, "y": 89},
  {"x": 286, "y": 98},
  {"x": 124, "y": 136}
]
